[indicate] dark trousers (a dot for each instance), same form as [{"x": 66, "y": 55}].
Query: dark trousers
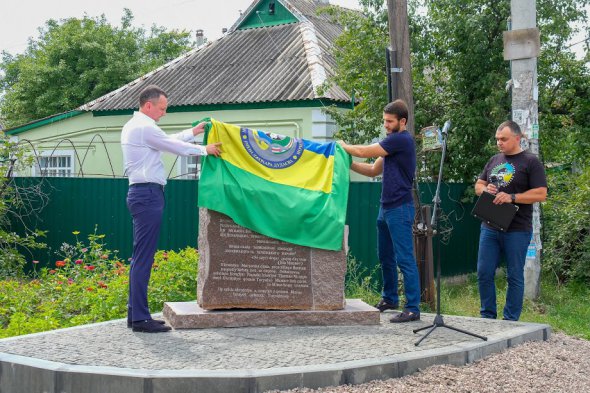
[{"x": 146, "y": 204}]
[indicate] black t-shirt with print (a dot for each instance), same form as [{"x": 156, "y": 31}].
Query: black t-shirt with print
[{"x": 515, "y": 174}]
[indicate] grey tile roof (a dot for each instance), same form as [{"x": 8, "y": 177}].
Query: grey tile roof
[{"x": 268, "y": 64}]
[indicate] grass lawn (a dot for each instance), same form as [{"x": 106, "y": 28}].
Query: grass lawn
[{"x": 565, "y": 307}]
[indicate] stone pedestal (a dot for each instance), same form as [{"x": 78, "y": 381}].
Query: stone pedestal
[
  {"x": 188, "y": 315},
  {"x": 239, "y": 268}
]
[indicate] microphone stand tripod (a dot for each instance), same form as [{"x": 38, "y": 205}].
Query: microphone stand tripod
[{"x": 438, "y": 319}]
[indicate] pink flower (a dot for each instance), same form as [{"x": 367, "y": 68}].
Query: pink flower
[
  {"x": 35, "y": 262},
  {"x": 79, "y": 262},
  {"x": 84, "y": 249},
  {"x": 89, "y": 267},
  {"x": 70, "y": 281}
]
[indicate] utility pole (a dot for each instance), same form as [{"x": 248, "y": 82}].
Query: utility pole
[
  {"x": 521, "y": 48},
  {"x": 401, "y": 69}
]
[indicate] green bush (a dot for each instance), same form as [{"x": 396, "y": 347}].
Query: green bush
[
  {"x": 567, "y": 227},
  {"x": 91, "y": 288}
]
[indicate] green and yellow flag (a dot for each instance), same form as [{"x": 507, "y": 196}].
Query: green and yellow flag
[{"x": 286, "y": 188}]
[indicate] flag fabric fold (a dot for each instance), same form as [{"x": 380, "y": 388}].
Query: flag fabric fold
[{"x": 282, "y": 187}]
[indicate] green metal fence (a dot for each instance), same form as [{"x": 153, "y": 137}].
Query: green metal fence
[
  {"x": 83, "y": 204},
  {"x": 460, "y": 244}
]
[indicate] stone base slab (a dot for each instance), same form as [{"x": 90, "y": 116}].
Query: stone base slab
[{"x": 188, "y": 315}]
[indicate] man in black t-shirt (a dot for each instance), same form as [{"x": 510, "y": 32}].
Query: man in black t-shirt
[
  {"x": 513, "y": 176},
  {"x": 396, "y": 160}
]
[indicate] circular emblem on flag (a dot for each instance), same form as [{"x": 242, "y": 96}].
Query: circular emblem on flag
[{"x": 271, "y": 150}]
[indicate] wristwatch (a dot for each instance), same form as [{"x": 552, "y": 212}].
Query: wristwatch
[{"x": 513, "y": 198}]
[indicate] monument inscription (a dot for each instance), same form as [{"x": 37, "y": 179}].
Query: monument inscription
[
  {"x": 255, "y": 266},
  {"x": 240, "y": 268}
]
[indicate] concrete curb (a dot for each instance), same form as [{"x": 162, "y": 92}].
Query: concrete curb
[{"x": 20, "y": 374}]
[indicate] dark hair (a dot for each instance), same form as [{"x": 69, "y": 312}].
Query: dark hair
[
  {"x": 514, "y": 127},
  {"x": 151, "y": 93},
  {"x": 398, "y": 108}
]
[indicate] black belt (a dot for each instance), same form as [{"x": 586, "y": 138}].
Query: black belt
[{"x": 153, "y": 185}]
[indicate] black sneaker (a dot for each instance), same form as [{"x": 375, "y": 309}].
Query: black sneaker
[
  {"x": 405, "y": 316},
  {"x": 130, "y": 324},
  {"x": 150, "y": 326},
  {"x": 385, "y": 305}
]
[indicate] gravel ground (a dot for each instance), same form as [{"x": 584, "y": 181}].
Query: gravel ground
[{"x": 561, "y": 364}]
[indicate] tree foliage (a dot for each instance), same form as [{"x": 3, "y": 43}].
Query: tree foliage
[
  {"x": 567, "y": 223},
  {"x": 15, "y": 204},
  {"x": 458, "y": 72},
  {"x": 74, "y": 61},
  {"x": 360, "y": 69}
]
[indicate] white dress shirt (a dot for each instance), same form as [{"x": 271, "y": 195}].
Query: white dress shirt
[{"x": 143, "y": 141}]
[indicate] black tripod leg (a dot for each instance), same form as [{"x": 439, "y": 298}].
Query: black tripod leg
[
  {"x": 426, "y": 335},
  {"x": 466, "y": 332},
  {"x": 423, "y": 328}
]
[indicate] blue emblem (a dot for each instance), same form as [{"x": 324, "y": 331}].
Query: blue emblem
[{"x": 272, "y": 150}]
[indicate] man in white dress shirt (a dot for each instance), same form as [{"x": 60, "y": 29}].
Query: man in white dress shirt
[{"x": 142, "y": 142}]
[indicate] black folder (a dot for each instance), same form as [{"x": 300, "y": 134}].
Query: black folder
[{"x": 496, "y": 216}]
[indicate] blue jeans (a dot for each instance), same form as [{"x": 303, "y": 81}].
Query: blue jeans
[
  {"x": 396, "y": 248},
  {"x": 513, "y": 245}
]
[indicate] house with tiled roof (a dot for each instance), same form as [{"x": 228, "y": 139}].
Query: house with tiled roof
[{"x": 263, "y": 73}]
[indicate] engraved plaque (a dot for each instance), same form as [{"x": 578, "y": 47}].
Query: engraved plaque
[{"x": 239, "y": 268}]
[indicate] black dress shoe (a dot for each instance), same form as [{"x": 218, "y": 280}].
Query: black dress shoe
[
  {"x": 149, "y": 326},
  {"x": 385, "y": 305},
  {"x": 130, "y": 324},
  {"x": 405, "y": 316}
]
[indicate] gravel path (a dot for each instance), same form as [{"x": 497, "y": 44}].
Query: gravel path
[{"x": 561, "y": 364}]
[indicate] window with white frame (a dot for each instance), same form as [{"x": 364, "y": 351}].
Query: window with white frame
[
  {"x": 59, "y": 163},
  {"x": 190, "y": 167}
]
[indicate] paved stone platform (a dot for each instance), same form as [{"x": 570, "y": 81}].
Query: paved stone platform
[{"x": 109, "y": 357}]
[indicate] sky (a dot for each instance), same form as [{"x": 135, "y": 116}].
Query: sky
[{"x": 20, "y": 19}]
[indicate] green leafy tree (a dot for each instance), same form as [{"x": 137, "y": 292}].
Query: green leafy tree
[
  {"x": 360, "y": 69},
  {"x": 564, "y": 100},
  {"x": 458, "y": 71},
  {"x": 15, "y": 204},
  {"x": 74, "y": 61},
  {"x": 567, "y": 225}
]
